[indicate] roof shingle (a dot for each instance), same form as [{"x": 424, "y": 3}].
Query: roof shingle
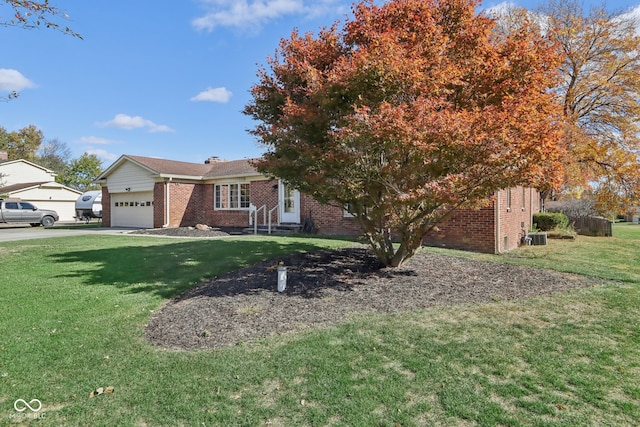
[
  {"x": 20, "y": 186},
  {"x": 211, "y": 170}
]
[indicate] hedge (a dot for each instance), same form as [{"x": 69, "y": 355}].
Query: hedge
[{"x": 547, "y": 221}]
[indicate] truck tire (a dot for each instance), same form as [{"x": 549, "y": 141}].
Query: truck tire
[{"x": 47, "y": 221}]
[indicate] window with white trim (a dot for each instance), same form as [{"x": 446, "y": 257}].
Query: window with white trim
[{"x": 232, "y": 196}]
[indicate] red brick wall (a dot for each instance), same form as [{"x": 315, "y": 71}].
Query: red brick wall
[
  {"x": 265, "y": 193},
  {"x": 186, "y": 204},
  {"x": 229, "y": 217},
  {"x": 515, "y": 220},
  {"x": 328, "y": 220},
  {"x": 106, "y": 207},
  {"x": 473, "y": 230},
  {"x": 187, "y": 201},
  {"x": 159, "y": 206},
  {"x": 466, "y": 229}
]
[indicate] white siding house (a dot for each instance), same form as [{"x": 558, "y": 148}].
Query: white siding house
[
  {"x": 21, "y": 171},
  {"x": 27, "y": 181}
]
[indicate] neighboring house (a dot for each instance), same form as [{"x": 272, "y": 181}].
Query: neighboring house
[
  {"x": 633, "y": 215},
  {"x": 24, "y": 180},
  {"x": 152, "y": 193}
]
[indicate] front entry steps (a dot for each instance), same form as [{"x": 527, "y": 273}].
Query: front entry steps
[{"x": 276, "y": 229}]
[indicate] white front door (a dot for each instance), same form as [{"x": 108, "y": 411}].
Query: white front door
[{"x": 289, "y": 204}]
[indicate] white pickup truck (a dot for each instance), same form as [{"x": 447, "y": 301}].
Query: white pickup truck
[{"x": 18, "y": 211}]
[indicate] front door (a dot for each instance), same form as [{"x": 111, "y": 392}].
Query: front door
[{"x": 289, "y": 204}]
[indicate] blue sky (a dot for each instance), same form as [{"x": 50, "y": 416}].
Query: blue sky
[{"x": 152, "y": 78}]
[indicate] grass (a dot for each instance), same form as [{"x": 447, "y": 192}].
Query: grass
[
  {"x": 74, "y": 310},
  {"x": 613, "y": 258}
]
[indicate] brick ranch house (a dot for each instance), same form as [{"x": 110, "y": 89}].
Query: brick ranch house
[{"x": 148, "y": 192}]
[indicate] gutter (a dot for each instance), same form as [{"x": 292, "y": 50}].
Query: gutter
[{"x": 497, "y": 225}]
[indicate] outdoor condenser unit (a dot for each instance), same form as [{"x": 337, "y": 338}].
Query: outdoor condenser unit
[{"x": 538, "y": 238}]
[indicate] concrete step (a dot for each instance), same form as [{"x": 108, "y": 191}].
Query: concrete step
[{"x": 276, "y": 229}]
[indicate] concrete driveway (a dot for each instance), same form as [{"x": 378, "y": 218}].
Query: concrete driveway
[{"x": 13, "y": 232}]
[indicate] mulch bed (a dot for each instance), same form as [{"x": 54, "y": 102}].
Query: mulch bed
[
  {"x": 324, "y": 288},
  {"x": 188, "y": 232}
]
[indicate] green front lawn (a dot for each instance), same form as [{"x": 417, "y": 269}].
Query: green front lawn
[{"x": 73, "y": 312}]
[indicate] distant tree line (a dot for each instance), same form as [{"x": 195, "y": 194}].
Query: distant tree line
[{"x": 29, "y": 144}]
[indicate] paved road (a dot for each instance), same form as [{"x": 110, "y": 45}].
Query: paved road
[{"x": 13, "y": 232}]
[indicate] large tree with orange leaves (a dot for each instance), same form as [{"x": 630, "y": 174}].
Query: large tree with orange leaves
[
  {"x": 600, "y": 90},
  {"x": 408, "y": 112}
]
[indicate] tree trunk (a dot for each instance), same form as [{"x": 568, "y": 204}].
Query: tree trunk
[{"x": 388, "y": 254}]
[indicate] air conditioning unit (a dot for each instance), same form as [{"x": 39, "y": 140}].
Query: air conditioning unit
[{"x": 538, "y": 239}]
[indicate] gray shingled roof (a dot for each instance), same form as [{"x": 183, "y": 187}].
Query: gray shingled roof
[
  {"x": 231, "y": 168},
  {"x": 212, "y": 170}
]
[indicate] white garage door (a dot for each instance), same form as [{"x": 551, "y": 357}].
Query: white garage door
[
  {"x": 132, "y": 210},
  {"x": 66, "y": 210}
]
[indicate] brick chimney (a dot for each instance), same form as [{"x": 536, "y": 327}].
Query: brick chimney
[
  {"x": 3, "y": 156},
  {"x": 213, "y": 159}
]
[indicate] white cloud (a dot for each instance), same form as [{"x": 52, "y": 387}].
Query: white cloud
[
  {"x": 633, "y": 16},
  {"x": 124, "y": 121},
  {"x": 504, "y": 13},
  {"x": 501, "y": 8},
  {"x": 96, "y": 140},
  {"x": 13, "y": 80},
  {"x": 218, "y": 94},
  {"x": 103, "y": 155},
  {"x": 253, "y": 14}
]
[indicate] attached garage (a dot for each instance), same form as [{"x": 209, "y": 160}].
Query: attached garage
[{"x": 132, "y": 209}]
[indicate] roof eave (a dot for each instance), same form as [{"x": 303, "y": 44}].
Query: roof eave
[
  {"x": 234, "y": 176},
  {"x": 177, "y": 176}
]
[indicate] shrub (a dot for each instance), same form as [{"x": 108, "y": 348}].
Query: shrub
[{"x": 550, "y": 220}]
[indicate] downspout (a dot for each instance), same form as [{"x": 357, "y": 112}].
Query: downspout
[
  {"x": 497, "y": 225},
  {"x": 531, "y": 208},
  {"x": 167, "y": 189}
]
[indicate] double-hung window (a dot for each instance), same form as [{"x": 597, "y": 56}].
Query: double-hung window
[{"x": 232, "y": 196}]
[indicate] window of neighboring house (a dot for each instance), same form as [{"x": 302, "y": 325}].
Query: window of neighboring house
[
  {"x": 524, "y": 199},
  {"x": 232, "y": 196},
  {"x": 508, "y": 199}
]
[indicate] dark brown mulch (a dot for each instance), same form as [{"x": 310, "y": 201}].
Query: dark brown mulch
[
  {"x": 324, "y": 288},
  {"x": 188, "y": 232}
]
